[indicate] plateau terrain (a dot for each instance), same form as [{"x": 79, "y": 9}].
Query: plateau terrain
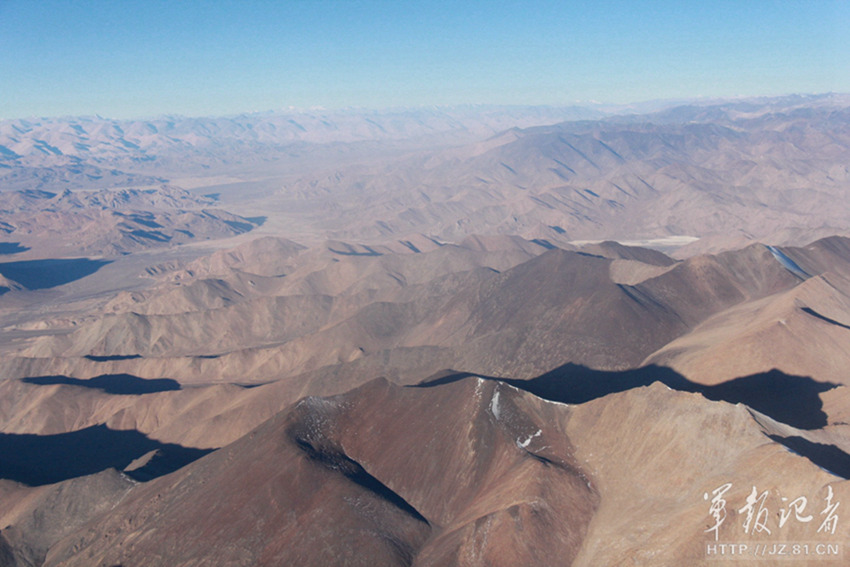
[{"x": 448, "y": 336}]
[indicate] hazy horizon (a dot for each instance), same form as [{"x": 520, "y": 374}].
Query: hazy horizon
[
  {"x": 637, "y": 107},
  {"x": 142, "y": 59}
]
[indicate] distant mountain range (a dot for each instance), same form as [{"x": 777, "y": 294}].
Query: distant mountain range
[
  {"x": 51, "y": 141},
  {"x": 54, "y": 141},
  {"x": 111, "y": 222},
  {"x": 727, "y": 173}
]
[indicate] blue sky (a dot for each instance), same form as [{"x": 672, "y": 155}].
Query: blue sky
[{"x": 127, "y": 59}]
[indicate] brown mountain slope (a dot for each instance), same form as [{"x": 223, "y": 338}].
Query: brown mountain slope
[
  {"x": 563, "y": 300},
  {"x": 209, "y": 416},
  {"x": 184, "y": 334},
  {"x": 532, "y": 317},
  {"x": 802, "y": 331},
  {"x": 468, "y": 490},
  {"x": 798, "y": 331},
  {"x": 43, "y": 515},
  {"x": 189, "y": 314},
  {"x": 568, "y": 302},
  {"x": 615, "y": 250},
  {"x": 654, "y": 454},
  {"x": 266, "y": 256},
  {"x": 831, "y": 254},
  {"x": 403, "y": 317},
  {"x": 479, "y": 474}
]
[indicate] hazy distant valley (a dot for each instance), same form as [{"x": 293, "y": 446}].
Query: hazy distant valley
[{"x": 455, "y": 336}]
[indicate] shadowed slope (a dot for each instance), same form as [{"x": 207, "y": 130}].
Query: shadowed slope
[
  {"x": 802, "y": 331},
  {"x": 828, "y": 457},
  {"x": 792, "y": 400},
  {"x": 46, "y": 459},
  {"x": 814, "y": 313},
  {"x": 119, "y": 384},
  {"x": 45, "y": 274},
  {"x": 11, "y": 248},
  {"x": 789, "y": 399},
  {"x": 201, "y": 416}
]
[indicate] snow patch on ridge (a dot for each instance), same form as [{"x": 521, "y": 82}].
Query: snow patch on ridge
[
  {"x": 479, "y": 384},
  {"x": 527, "y": 442},
  {"x": 788, "y": 263},
  {"x": 494, "y": 404}
]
